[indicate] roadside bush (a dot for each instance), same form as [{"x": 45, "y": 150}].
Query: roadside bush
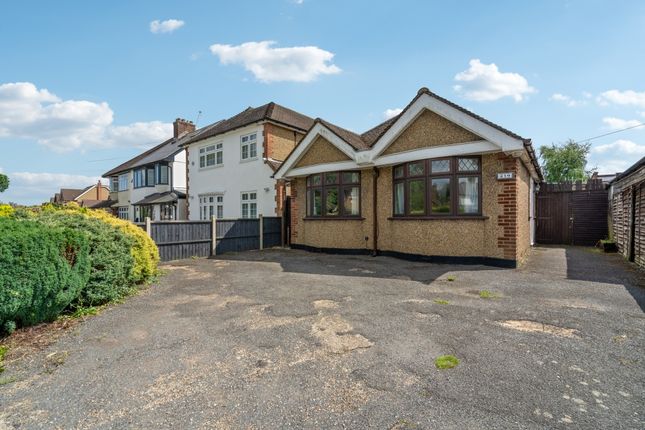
[
  {"x": 42, "y": 270},
  {"x": 109, "y": 253},
  {"x": 6, "y": 211}
]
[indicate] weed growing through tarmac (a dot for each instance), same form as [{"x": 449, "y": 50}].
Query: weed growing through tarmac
[
  {"x": 446, "y": 362},
  {"x": 485, "y": 294},
  {"x": 451, "y": 278},
  {"x": 441, "y": 302},
  {"x": 8, "y": 380}
]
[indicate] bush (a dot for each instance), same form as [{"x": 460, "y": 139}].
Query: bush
[
  {"x": 42, "y": 270},
  {"x": 6, "y": 211},
  {"x": 109, "y": 252}
]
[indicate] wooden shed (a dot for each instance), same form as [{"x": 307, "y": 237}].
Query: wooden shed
[{"x": 627, "y": 201}]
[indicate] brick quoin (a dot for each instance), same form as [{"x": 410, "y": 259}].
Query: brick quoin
[
  {"x": 294, "y": 213},
  {"x": 507, "y": 199}
]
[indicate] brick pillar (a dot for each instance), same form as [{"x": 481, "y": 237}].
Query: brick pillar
[
  {"x": 507, "y": 199},
  {"x": 294, "y": 210}
]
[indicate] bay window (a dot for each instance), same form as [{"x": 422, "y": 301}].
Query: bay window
[
  {"x": 333, "y": 194},
  {"x": 449, "y": 186},
  {"x": 162, "y": 173},
  {"x": 144, "y": 177},
  {"x": 123, "y": 182}
]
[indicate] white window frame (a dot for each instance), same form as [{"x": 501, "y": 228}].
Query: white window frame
[
  {"x": 211, "y": 204},
  {"x": 217, "y": 149},
  {"x": 249, "y": 204},
  {"x": 249, "y": 142},
  {"x": 124, "y": 182},
  {"x": 123, "y": 212}
]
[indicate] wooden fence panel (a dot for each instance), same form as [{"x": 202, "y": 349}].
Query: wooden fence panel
[{"x": 185, "y": 239}]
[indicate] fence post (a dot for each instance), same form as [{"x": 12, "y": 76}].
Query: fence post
[
  {"x": 213, "y": 235},
  {"x": 148, "y": 226},
  {"x": 261, "y": 218}
]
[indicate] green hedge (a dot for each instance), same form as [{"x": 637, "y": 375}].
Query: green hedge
[
  {"x": 111, "y": 275},
  {"x": 42, "y": 270}
]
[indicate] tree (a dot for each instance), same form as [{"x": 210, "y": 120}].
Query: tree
[
  {"x": 565, "y": 162},
  {"x": 4, "y": 182}
]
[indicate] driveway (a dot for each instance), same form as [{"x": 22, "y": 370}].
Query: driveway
[{"x": 289, "y": 339}]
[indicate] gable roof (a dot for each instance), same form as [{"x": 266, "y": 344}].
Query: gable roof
[
  {"x": 162, "y": 152},
  {"x": 367, "y": 140},
  {"x": 69, "y": 194},
  {"x": 270, "y": 111}
]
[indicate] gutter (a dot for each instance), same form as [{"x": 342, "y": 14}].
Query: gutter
[{"x": 529, "y": 148}]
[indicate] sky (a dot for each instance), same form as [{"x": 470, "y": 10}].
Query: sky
[{"x": 85, "y": 85}]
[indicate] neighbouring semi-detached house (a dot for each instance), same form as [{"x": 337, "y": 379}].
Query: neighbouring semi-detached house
[
  {"x": 153, "y": 184},
  {"x": 231, "y": 163},
  {"x": 94, "y": 196},
  {"x": 436, "y": 182}
]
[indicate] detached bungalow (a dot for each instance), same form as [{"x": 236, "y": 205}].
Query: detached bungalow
[{"x": 436, "y": 183}]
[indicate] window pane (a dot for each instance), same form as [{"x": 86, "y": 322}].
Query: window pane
[
  {"x": 202, "y": 161},
  {"x": 315, "y": 180},
  {"x": 252, "y": 196},
  {"x": 150, "y": 177},
  {"x": 399, "y": 171},
  {"x": 351, "y": 200},
  {"x": 417, "y": 193},
  {"x": 440, "y": 166},
  {"x": 331, "y": 202},
  {"x": 245, "y": 210},
  {"x": 468, "y": 164},
  {"x": 317, "y": 203},
  {"x": 253, "y": 151},
  {"x": 350, "y": 177},
  {"x": 399, "y": 195},
  {"x": 245, "y": 152},
  {"x": 309, "y": 202},
  {"x": 220, "y": 157},
  {"x": 469, "y": 195},
  {"x": 254, "y": 210},
  {"x": 245, "y": 196},
  {"x": 440, "y": 196},
  {"x": 220, "y": 211},
  {"x": 210, "y": 159},
  {"x": 220, "y": 199},
  {"x": 416, "y": 169},
  {"x": 331, "y": 178}
]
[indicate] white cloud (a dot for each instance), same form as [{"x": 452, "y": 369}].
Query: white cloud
[
  {"x": 615, "y": 156},
  {"x": 269, "y": 64},
  {"x": 34, "y": 188},
  {"x": 484, "y": 82},
  {"x": 628, "y": 98},
  {"x": 64, "y": 125},
  {"x": 613, "y": 123},
  {"x": 167, "y": 26},
  {"x": 620, "y": 146},
  {"x": 391, "y": 113},
  {"x": 568, "y": 101}
]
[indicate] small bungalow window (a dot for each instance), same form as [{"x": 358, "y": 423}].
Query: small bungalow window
[
  {"x": 123, "y": 212},
  {"x": 437, "y": 187},
  {"x": 334, "y": 194},
  {"x": 211, "y": 155},
  {"x": 249, "y": 146}
]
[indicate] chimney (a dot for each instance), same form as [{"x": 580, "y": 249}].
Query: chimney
[
  {"x": 98, "y": 190},
  {"x": 181, "y": 127}
]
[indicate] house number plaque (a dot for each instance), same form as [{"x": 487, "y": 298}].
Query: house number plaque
[{"x": 505, "y": 175}]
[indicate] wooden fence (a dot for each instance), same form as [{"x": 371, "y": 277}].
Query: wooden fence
[
  {"x": 572, "y": 213},
  {"x": 184, "y": 239}
]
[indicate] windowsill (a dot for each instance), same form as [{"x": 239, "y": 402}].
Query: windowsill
[
  {"x": 247, "y": 160},
  {"x": 446, "y": 217},
  {"x": 211, "y": 167},
  {"x": 333, "y": 218}
]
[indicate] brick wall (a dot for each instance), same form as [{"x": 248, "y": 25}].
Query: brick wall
[
  {"x": 294, "y": 211},
  {"x": 507, "y": 199}
]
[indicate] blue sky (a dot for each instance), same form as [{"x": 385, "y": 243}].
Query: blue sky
[{"x": 87, "y": 85}]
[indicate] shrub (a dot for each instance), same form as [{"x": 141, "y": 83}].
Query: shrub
[
  {"x": 109, "y": 252},
  {"x": 6, "y": 211},
  {"x": 42, "y": 270}
]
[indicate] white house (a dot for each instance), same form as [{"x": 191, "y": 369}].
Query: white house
[
  {"x": 231, "y": 163},
  {"x": 153, "y": 184}
]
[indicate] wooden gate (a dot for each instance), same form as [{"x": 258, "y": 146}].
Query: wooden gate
[{"x": 572, "y": 213}]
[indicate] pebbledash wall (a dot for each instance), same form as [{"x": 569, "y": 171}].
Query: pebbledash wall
[{"x": 501, "y": 235}]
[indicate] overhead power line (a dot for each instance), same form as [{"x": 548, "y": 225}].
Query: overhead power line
[{"x": 611, "y": 132}]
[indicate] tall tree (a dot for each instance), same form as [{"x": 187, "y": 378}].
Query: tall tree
[
  {"x": 4, "y": 182},
  {"x": 565, "y": 162}
]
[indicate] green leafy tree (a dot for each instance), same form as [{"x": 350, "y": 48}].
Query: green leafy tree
[
  {"x": 565, "y": 162},
  {"x": 4, "y": 182}
]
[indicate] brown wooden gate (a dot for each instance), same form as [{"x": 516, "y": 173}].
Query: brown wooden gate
[{"x": 572, "y": 213}]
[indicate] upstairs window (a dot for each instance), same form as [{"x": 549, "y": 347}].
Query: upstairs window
[
  {"x": 144, "y": 177},
  {"x": 162, "y": 173},
  {"x": 249, "y": 146},
  {"x": 249, "y": 205},
  {"x": 334, "y": 194},
  {"x": 114, "y": 183},
  {"x": 124, "y": 182},
  {"x": 211, "y": 155},
  {"x": 448, "y": 186}
]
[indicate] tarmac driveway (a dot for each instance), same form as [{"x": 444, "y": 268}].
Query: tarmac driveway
[{"x": 289, "y": 339}]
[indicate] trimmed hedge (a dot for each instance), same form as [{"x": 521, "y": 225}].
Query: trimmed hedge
[
  {"x": 42, "y": 270},
  {"x": 109, "y": 252}
]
